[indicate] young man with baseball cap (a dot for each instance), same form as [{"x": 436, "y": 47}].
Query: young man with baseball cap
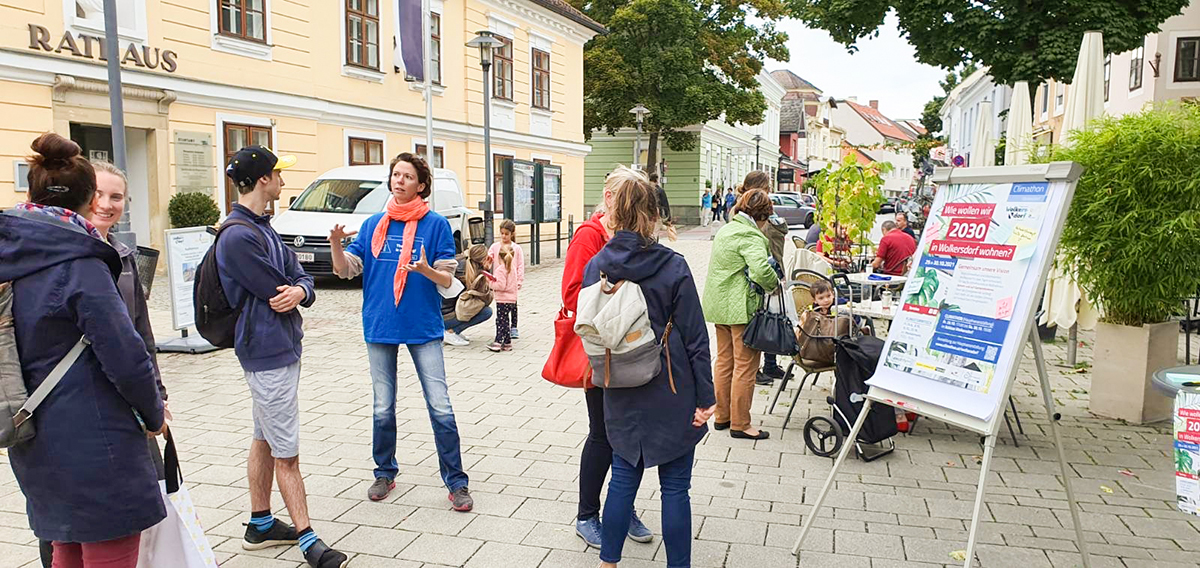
[{"x": 264, "y": 278}]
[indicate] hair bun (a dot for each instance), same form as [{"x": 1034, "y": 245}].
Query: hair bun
[{"x": 52, "y": 151}]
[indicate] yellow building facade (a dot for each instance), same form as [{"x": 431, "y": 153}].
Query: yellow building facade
[{"x": 315, "y": 78}]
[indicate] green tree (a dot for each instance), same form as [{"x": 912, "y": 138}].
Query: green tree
[
  {"x": 687, "y": 61},
  {"x": 1020, "y": 40}
]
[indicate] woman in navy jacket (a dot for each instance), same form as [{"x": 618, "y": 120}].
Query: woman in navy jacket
[
  {"x": 87, "y": 475},
  {"x": 651, "y": 426}
]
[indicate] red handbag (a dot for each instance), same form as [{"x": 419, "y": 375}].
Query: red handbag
[{"x": 567, "y": 365}]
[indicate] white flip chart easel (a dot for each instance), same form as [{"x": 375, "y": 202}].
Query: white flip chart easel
[{"x": 938, "y": 389}]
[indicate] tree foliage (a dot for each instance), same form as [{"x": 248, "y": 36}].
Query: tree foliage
[
  {"x": 1021, "y": 40},
  {"x": 849, "y": 195},
  {"x": 687, "y": 61}
]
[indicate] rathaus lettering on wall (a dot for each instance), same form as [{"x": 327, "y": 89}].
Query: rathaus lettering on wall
[{"x": 93, "y": 47}]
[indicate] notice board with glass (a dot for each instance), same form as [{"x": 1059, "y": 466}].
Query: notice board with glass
[
  {"x": 549, "y": 193},
  {"x": 520, "y": 191}
]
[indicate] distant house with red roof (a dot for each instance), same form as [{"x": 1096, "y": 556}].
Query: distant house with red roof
[{"x": 874, "y": 137}]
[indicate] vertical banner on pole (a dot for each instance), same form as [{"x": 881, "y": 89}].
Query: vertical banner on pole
[{"x": 968, "y": 309}]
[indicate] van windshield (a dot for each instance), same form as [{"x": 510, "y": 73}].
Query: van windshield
[{"x": 337, "y": 196}]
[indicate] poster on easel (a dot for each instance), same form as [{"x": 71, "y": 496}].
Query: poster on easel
[
  {"x": 185, "y": 250},
  {"x": 971, "y": 293}
]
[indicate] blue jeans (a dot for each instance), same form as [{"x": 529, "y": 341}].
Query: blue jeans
[
  {"x": 675, "y": 478},
  {"x": 431, "y": 371},
  {"x": 456, "y": 326}
]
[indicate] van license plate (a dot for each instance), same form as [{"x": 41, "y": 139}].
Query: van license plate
[{"x": 306, "y": 257}]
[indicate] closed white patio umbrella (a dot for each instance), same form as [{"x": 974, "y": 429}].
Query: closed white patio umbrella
[
  {"x": 983, "y": 145},
  {"x": 1066, "y": 304},
  {"x": 1019, "y": 135}
]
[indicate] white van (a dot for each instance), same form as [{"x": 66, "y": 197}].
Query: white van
[{"x": 348, "y": 196}]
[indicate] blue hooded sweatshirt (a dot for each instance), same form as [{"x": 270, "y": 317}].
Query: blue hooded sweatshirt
[
  {"x": 650, "y": 422},
  {"x": 87, "y": 475}
]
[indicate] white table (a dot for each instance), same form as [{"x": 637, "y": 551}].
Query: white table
[
  {"x": 874, "y": 310},
  {"x": 863, "y": 279}
]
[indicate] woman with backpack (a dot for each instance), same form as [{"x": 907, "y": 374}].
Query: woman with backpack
[
  {"x": 472, "y": 306},
  {"x": 597, "y": 455},
  {"x": 659, "y": 423},
  {"x": 739, "y": 263},
  {"x": 87, "y": 475}
]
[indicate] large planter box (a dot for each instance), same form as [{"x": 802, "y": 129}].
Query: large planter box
[{"x": 1125, "y": 359}]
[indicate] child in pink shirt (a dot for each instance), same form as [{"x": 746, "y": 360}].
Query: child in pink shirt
[{"x": 507, "y": 262}]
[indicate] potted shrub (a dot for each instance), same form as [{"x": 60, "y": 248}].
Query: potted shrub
[
  {"x": 1133, "y": 238},
  {"x": 192, "y": 209},
  {"x": 849, "y": 195}
]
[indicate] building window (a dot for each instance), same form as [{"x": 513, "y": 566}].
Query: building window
[
  {"x": 1107, "y": 74},
  {"x": 244, "y": 19},
  {"x": 1045, "y": 98},
  {"x": 439, "y": 155},
  {"x": 362, "y": 33},
  {"x": 1136, "y": 62},
  {"x": 541, "y": 79},
  {"x": 1187, "y": 59},
  {"x": 366, "y": 152},
  {"x": 498, "y": 182},
  {"x": 502, "y": 70},
  {"x": 1060, "y": 96},
  {"x": 435, "y": 50},
  {"x": 238, "y": 136}
]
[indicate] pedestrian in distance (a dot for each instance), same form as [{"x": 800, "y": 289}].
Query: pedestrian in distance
[
  {"x": 88, "y": 478},
  {"x": 477, "y": 292},
  {"x": 597, "y": 455},
  {"x": 718, "y": 201},
  {"x": 730, "y": 201},
  {"x": 895, "y": 251},
  {"x": 706, "y": 208},
  {"x": 263, "y": 276},
  {"x": 902, "y": 224},
  {"x": 739, "y": 264},
  {"x": 406, "y": 258},
  {"x": 507, "y": 263},
  {"x": 658, "y": 424}
]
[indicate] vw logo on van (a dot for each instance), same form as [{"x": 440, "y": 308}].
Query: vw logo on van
[{"x": 299, "y": 242}]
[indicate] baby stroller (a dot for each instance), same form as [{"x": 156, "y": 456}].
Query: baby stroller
[{"x": 855, "y": 359}]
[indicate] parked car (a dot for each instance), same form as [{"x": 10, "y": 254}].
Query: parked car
[
  {"x": 888, "y": 206},
  {"x": 793, "y": 210},
  {"x": 348, "y": 196},
  {"x": 804, "y": 198}
]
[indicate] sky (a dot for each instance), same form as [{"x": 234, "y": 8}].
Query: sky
[{"x": 884, "y": 68}]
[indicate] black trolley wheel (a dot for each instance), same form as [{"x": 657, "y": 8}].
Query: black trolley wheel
[{"x": 823, "y": 436}]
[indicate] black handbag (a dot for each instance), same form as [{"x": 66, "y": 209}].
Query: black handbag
[{"x": 771, "y": 332}]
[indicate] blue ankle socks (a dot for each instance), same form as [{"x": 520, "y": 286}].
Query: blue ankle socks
[
  {"x": 307, "y": 539},
  {"x": 262, "y": 521}
]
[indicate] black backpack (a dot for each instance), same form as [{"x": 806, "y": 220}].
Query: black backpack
[{"x": 216, "y": 320}]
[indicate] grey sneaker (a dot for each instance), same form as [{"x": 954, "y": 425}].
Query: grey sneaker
[
  {"x": 460, "y": 500},
  {"x": 380, "y": 489}
]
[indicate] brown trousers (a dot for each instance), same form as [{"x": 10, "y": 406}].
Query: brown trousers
[{"x": 733, "y": 377}]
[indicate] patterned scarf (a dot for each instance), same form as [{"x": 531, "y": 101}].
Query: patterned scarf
[
  {"x": 410, "y": 214},
  {"x": 62, "y": 214}
]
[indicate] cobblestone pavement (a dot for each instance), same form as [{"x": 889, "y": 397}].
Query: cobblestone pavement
[{"x": 521, "y": 440}]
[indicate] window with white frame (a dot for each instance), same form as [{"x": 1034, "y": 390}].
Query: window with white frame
[
  {"x": 88, "y": 15},
  {"x": 439, "y": 154},
  {"x": 1060, "y": 96},
  {"x": 1107, "y": 75},
  {"x": 1137, "y": 60},
  {"x": 502, "y": 70},
  {"x": 435, "y": 48},
  {"x": 541, "y": 79}
]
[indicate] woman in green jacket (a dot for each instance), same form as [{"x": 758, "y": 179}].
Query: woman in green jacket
[{"x": 739, "y": 255}]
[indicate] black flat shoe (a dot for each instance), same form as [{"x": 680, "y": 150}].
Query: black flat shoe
[
  {"x": 720, "y": 425},
  {"x": 762, "y": 435}
]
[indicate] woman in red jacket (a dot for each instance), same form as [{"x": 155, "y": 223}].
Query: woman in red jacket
[{"x": 597, "y": 456}]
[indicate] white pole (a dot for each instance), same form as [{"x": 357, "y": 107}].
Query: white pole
[
  {"x": 984, "y": 468},
  {"x": 816, "y": 508},
  {"x": 427, "y": 43}
]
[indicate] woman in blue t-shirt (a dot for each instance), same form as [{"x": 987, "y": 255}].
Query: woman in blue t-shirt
[{"x": 404, "y": 255}]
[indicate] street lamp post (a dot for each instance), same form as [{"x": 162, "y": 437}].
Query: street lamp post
[
  {"x": 487, "y": 43},
  {"x": 640, "y": 112},
  {"x": 757, "y": 139}
]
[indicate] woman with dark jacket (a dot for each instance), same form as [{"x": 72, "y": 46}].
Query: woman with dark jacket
[
  {"x": 654, "y": 425},
  {"x": 87, "y": 475},
  {"x": 597, "y": 455}
]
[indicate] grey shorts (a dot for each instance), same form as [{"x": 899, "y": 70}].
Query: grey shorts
[{"x": 276, "y": 408}]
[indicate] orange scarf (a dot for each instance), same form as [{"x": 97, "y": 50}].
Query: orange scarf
[{"x": 410, "y": 214}]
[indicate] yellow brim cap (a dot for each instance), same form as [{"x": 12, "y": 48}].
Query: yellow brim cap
[{"x": 286, "y": 161}]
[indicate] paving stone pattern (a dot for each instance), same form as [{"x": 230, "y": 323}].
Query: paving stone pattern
[{"x": 521, "y": 441}]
